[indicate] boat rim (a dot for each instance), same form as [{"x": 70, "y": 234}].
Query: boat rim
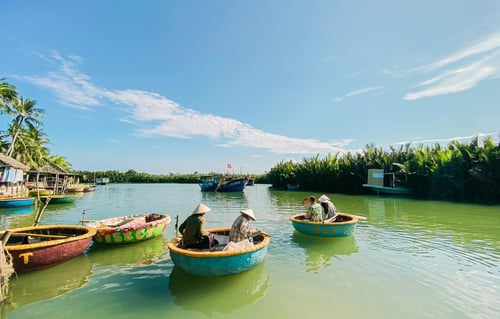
[
  {"x": 90, "y": 232},
  {"x": 172, "y": 246},
  {"x": 294, "y": 219},
  {"x": 166, "y": 219}
]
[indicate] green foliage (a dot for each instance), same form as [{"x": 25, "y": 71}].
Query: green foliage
[
  {"x": 459, "y": 171},
  {"x": 131, "y": 176}
]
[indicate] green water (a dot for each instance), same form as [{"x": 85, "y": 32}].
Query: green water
[{"x": 412, "y": 259}]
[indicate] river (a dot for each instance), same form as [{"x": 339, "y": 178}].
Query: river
[{"x": 411, "y": 259}]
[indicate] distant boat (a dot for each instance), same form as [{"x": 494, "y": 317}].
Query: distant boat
[
  {"x": 10, "y": 202},
  {"x": 129, "y": 229},
  {"x": 75, "y": 188},
  {"x": 342, "y": 226},
  {"x": 41, "y": 246},
  {"x": 250, "y": 181},
  {"x": 233, "y": 185},
  {"x": 292, "y": 188},
  {"x": 102, "y": 180},
  {"x": 219, "y": 262},
  {"x": 60, "y": 199},
  {"x": 377, "y": 185},
  {"x": 89, "y": 188},
  {"x": 209, "y": 183}
]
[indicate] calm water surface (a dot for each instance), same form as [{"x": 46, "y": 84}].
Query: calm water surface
[{"x": 412, "y": 259}]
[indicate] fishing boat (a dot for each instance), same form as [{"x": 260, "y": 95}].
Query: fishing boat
[
  {"x": 102, "y": 181},
  {"x": 128, "y": 229},
  {"x": 377, "y": 183},
  {"x": 342, "y": 226},
  {"x": 89, "y": 188},
  {"x": 10, "y": 202},
  {"x": 232, "y": 185},
  {"x": 75, "y": 188},
  {"x": 60, "y": 199},
  {"x": 209, "y": 183},
  {"x": 41, "y": 246},
  {"x": 216, "y": 261}
]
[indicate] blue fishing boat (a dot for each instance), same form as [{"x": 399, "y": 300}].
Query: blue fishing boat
[
  {"x": 342, "y": 226},
  {"x": 209, "y": 183},
  {"x": 10, "y": 202},
  {"x": 218, "y": 262},
  {"x": 232, "y": 185}
]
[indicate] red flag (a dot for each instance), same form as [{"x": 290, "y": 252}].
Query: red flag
[{"x": 229, "y": 165}]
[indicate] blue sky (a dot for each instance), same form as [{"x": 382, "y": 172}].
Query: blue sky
[{"x": 184, "y": 86}]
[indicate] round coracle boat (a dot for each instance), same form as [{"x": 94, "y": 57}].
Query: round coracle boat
[{"x": 342, "y": 226}]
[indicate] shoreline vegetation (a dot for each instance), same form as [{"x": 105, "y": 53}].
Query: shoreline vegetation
[{"x": 458, "y": 172}]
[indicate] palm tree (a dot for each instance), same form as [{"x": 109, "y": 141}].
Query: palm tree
[
  {"x": 26, "y": 114},
  {"x": 8, "y": 93},
  {"x": 60, "y": 161},
  {"x": 31, "y": 147}
]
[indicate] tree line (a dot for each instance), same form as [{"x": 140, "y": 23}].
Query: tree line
[
  {"x": 132, "y": 176},
  {"x": 458, "y": 171},
  {"x": 24, "y": 139}
]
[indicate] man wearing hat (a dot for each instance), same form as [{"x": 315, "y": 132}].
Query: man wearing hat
[
  {"x": 193, "y": 230},
  {"x": 240, "y": 230}
]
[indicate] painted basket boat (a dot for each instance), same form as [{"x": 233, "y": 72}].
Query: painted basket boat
[
  {"x": 129, "y": 229},
  {"x": 60, "y": 199},
  {"x": 218, "y": 262},
  {"x": 16, "y": 202},
  {"x": 343, "y": 226},
  {"x": 41, "y": 246}
]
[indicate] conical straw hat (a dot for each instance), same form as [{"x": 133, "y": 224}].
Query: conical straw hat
[
  {"x": 249, "y": 213},
  {"x": 201, "y": 209},
  {"x": 324, "y": 199}
]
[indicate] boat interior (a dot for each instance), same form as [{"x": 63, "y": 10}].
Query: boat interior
[{"x": 32, "y": 236}]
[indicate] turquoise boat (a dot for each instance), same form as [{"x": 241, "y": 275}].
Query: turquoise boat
[
  {"x": 11, "y": 202},
  {"x": 217, "y": 262},
  {"x": 342, "y": 226},
  {"x": 60, "y": 199}
]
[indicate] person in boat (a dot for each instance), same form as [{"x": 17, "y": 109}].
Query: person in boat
[
  {"x": 193, "y": 230},
  {"x": 314, "y": 210},
  {"x": 240, "y": 230},
  {"x": 329, "y": 210}
]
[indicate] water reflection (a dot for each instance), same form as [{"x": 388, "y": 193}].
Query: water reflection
[
  {"x": 320, "y": 251},
  {"x": 17, "y": 210},
  {"x": 141, "y": 253},
  {"x": 47, "y": 283},
  {"x": 209, "y": 295}
]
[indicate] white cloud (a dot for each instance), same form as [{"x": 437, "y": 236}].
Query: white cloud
[
  {"x": 156, "y": 115},
  {"x": 447, "y": 140},
  {"x": 464, "y": 75},
  {"x": 357, "y": 92}
]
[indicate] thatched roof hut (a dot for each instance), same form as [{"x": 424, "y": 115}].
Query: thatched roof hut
[{"x": 7, "y": 161}]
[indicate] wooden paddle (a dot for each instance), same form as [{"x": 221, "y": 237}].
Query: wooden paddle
[{"x": 39, "y": 235}]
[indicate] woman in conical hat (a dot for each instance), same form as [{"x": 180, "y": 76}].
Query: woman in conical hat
[
  {"x": 240, "y": 230},
  {"x": 193, "y": 229}
]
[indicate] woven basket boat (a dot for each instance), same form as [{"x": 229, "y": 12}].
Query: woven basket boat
[
  {"x": 129, "y": 229},
  {"x": 342, "y": 226},
  {"x": 217, "y": 262},
  {"x": 41, "y": 246}
]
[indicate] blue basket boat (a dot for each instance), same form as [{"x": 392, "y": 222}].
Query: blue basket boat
[
  {"x": 218, "y": 262},
  {"x": 342, "y": 226},
  {"x": 16, "y": 202}
]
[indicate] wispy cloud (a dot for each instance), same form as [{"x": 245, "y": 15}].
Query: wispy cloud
[
  {"x": 156, "y": 115},
  {"x": 459, "y": 71},
  {"x": 449, "y": 139},
  {"x": 357, "y": 92}
]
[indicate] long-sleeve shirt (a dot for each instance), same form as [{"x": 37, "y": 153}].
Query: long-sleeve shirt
[
  {"x": 240, "y": 229},
  {"x": 193, "y": 228}
]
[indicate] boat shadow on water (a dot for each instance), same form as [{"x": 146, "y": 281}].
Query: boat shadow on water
[
  {"x": 139, "y": 253},
  {"x": 194, "y": 293},
  {"x": 320, "y": 251},
  {"x": 50, "y": 282}
]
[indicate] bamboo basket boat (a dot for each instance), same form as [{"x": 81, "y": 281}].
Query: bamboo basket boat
[
  {"x": 342, "y": 226},
  {"x": 218, "y": 262},
  {"x": 128, "y": 229},
  {"x": 41, "y": 246}
]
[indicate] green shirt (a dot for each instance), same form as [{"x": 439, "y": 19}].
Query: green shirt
[
  {"x": 316, "y": 212},
  {"x": 193, "y": 228}
]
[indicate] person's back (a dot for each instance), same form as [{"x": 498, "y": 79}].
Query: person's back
[
  {"x": 192, "y": 229},
  {"x": 316, "y": 212}
]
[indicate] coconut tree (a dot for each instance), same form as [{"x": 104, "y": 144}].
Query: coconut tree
[
  {"x": 26, "y": 114},
  {"x": 8, "y": 93},
  {"x": 60, "y": 161}
]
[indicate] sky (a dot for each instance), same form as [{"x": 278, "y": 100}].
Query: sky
[{"x": 164, "y": 86}]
